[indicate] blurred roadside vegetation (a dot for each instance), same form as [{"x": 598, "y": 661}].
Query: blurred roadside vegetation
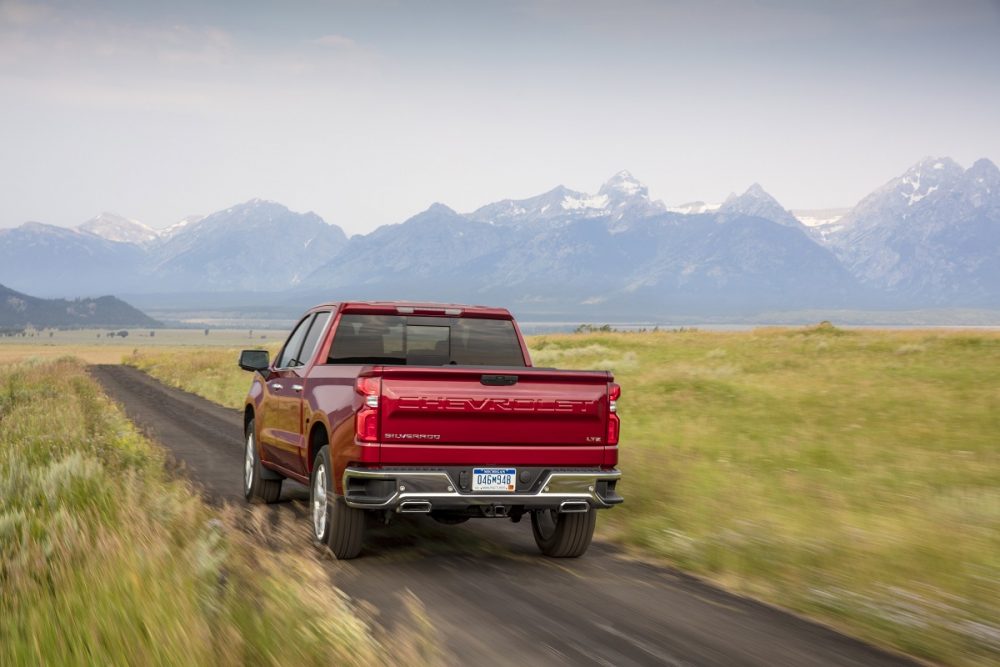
[
  {"x": 105, "y": 559},
  {"x": 853, "y": 475}
]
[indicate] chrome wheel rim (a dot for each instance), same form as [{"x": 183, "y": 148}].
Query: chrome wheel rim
[
  {"x": 546, "y": 522},
  {"x": 319, "y": 501},
  {"x": 248, "y": 463}
]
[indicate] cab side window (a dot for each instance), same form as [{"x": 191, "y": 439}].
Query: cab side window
[
  {"x": 289, "y": 357},
  {"x": 313, "y": 337}
]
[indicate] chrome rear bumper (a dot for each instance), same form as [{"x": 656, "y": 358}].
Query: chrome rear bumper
[{"x": 424, "y": 490}]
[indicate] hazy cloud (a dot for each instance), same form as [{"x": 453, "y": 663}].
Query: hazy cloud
[
  {"x": 368, "y": 111},
  {"x": 336, "y": 41},
  {"x": 22, "y": 13}
]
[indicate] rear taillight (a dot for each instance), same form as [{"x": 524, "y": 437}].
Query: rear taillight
[
  {"x": 614, "y": 424},
  {"x": 366, "y": 420}
]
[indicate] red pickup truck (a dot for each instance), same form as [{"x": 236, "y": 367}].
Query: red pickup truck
[{"x": 395, "y": 407}]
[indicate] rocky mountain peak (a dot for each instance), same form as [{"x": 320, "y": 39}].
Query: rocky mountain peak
[
  {"x": 983, "y": 173},
  {"x": 252, "y": 214},
  {"x": 439, "y": 208},
  {"x": 114, "y": 227},
  {"x": 752, "y": 195},
  {"x": 545, "y": 206},
  {"x": 758, "y": 202},
  {"x": 622, "y": 196},
  {"x": 41, "y": 227},
  {"x": 930, "y": 164},
  {"x": 624, "y": 184},
  {"x": 980, "y": 185},
  {"x": 927, "y": 177},
  {"x": 937, "y": 208},
  {"x": 256, "y": 205}
]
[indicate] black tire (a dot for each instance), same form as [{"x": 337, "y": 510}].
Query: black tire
[
  {"x": 563, "y": 535},
  {"x": 334, "y": 524},
  {"x": 257, "y": 489}
]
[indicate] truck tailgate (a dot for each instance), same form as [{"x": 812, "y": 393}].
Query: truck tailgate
[{"x": 522, "y": 416}]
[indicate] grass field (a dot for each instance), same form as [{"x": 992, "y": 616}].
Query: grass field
[
  {"x": 97, "y": 347},
  {"x": 104, "y": 559},
  {"x": 850, "y": 475}
]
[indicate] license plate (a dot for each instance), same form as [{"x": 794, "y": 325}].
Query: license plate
[{"x": 494, "y": 479}]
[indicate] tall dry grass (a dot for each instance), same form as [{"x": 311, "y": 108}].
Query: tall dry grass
[
  {"x": 209, "y": 372},
  {"x": 851, "y": 475},
  {"x": 105, "y": 560}
]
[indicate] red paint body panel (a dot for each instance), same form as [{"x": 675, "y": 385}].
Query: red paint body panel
[
  {"x": 430, "y": 415},
  {"x": 452, "y": 407}
]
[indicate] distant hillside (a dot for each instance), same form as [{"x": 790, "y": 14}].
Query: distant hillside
[{"x": 20, "y": 310}]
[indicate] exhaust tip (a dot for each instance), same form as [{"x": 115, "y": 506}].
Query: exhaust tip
[
  {"x": 574, "y": 506},
  {"x": 414, "y": 507}
]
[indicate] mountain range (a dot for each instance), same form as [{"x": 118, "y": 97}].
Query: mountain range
[{"x": 929, "y": 238}]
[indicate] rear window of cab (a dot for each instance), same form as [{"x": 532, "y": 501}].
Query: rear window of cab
[{"x": 411, "y": 340}]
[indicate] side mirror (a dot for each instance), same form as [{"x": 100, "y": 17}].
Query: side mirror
[{"x": 255, "y": 360}]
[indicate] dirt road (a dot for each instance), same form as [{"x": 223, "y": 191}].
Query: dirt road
[{"x": 492, "y": 598}]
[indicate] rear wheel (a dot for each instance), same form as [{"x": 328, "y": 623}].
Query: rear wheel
[
  {"x": 563, "y": 535},
  {"x": 255, "y": 487},
  {"x": 340, "y": 527}
]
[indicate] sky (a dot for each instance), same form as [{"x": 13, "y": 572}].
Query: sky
[{"x": 368, "y": 112}]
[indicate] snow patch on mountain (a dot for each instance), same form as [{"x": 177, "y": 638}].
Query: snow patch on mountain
[
  {"x": 190, "y": 220},
  {"x": 625, "y": 183},
  {"x": 930, "y": 234},
  {"x": 822, "y": 217},
  {"x": 694, "y": 208},
  {"x": 916, "y": 195},
  {"x": 113, "y": 227},
  {"x": 577, "y": 203},
  {"x": 821, "y": 223},
  {"x": 622, "y": 197}
]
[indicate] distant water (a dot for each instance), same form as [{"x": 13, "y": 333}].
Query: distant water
[{"x": 531, "y": 327}]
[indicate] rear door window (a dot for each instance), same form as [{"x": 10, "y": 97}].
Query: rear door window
[
  {"x": 289, "y": 357},
  {"x": 316, "y": 330},
  {"x": 425, "y": 341}
]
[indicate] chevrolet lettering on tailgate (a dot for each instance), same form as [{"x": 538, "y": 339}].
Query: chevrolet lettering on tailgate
[{"x": 444, "y": 403}]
